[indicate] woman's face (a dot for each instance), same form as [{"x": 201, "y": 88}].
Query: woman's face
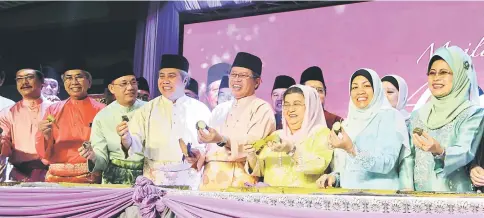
[
  {"x": 391, "y": 92},
  {"x": 293, "y": 110},
  {"x": 440, "y": 78},
  {"x": 361, "y": 92}
]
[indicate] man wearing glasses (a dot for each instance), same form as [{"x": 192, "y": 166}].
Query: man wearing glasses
[
  {"x": 19, "y": 124},
  {"x": 191, "y": 90},
  {"x": 65, "y": 128},
  {"x": 248, "y": 120},
  {"x": 106, "y": 155},
  {"x": 313, "y": 77},
  {"x": 143, "y": 89},
  {"x": 159, "y": 127}
]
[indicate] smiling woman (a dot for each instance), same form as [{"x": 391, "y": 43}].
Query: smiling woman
[
  {"x": 450, "y": 126},
  {"x": 371, "y": 139}
]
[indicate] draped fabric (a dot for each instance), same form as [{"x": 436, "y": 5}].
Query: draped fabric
[
  {"x": 51, "y": 200},
  {"x": 63, "y": 202},
  {"x": 161, "y": 34}
]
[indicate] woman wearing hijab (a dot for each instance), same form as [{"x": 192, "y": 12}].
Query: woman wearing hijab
[
  {"x": 302, "y": 154},
  {"x": 396, "y": 90},
  {"x": 370, "y": 140},
  {"x": 445, "y": 132}
]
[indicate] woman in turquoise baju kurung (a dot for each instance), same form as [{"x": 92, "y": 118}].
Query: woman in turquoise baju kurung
[
  {"x": 450, "y": 124},
  {"x": 373, "y": 135}
]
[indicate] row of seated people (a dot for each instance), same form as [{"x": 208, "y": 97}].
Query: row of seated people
[{"x": 376, "y": 147}]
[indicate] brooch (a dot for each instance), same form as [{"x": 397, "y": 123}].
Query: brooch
[{"x": 466, "y": 65}]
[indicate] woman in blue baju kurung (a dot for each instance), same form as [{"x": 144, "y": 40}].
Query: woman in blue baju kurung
[
  {"x": 450, "y": 123},
  {"x": 372, "y": 137}
]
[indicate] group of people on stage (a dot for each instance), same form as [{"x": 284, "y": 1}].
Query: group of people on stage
[{"x": 241, "y": 140}]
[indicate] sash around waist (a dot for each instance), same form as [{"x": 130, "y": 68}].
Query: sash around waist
[
  {"x": 68, "y": 169},
  {"x": 128, "y": 164}
]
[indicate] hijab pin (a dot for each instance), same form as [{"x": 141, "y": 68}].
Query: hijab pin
[{"x": 466, "y": 65}]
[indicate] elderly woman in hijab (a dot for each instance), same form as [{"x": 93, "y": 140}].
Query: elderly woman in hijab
[
  {"x": 370, "y": 140},
  {"x": 396, "y": 90},
  {"x": 298, "y": 154},
  {"x": 445, "y": 132}
]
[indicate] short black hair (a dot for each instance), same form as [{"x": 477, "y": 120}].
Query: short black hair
[{"x": 38, "y": 74}]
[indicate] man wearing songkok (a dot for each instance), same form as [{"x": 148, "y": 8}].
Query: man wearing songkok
[
  {"x": 158, "y": 128},
  {"x": 191, "y": 90},
  {"x": 281, "y": 84},
  {"x": 19, "y": 124},
  {"x": 65, "y": 128},
  {"x": 215, "y": 74},
  {"x": 143, "y": 89},
  {"x": 4, "y": 102},
  {"x": 50, "y": 89},
  {"x": 313, "y": 77},
  {"x": 224, "y": 95},
  {"x": 105, "y": 153},
  {"x": 249, "y": 119},
  {"x": 224, "y": 92}
]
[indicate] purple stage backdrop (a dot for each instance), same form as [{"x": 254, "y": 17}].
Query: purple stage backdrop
[{"x": 389, "y": 37}]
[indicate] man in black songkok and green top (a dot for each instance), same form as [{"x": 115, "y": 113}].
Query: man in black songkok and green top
[{"x": 105, "y": 153}]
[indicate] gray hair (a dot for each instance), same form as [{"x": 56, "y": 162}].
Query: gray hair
[
  {"x": 185, "y": 75},
  {"x": 88, "y": 76}
]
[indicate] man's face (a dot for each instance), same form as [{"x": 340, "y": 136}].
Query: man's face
[
  {"x": 318, "y": 85},
  {"x": 76, "y": 83},
  {"x": 224, "y": 95},
  {"x": 242, "y": 82},
  {"x": 28, "y": 85},
  {"x": 143, "y": 95},
  {"x": 170, "y": 83},
  {"x": 50, "y": 87},
  {"x": 191, "y": 94},
  {"x": 125, "y": 89},
  {"x": 276, "y": 97},
  {"x": 212, "y": 96}
]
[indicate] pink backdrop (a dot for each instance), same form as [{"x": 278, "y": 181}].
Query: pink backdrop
[{"x": 389, "y": 37}]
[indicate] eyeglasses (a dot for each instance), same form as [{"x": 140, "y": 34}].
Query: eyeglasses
[
  {"x": 442, "y": 73},
  {"x": 143, "y": 97},
  {"x": 241, "y": 76},
  {"x": 296, "y": 106},
  {"x": 78, "y": 78},
  {"x": 319, "y": 90},
  {"x": 29, "y": 78},
  {"x": 125, "y": 84}
]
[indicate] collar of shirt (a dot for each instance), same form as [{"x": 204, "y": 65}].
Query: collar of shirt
[
  {"x": 125, "y": 109},
  {"x": 244, "y": 100},
  {"x": 85, "y": 101},
  {"x": 32, "y": 104}
]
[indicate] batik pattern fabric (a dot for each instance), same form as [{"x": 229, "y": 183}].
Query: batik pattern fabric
[
  {"x": 73, "y": 173},
  {"x": 122, "y": 172}
]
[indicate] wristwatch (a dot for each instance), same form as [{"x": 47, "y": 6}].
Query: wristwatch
[
  {"x": 440, "y": 156},
  {"x": 292, "y": 151},
  {"x": 223, "y": 142}
]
